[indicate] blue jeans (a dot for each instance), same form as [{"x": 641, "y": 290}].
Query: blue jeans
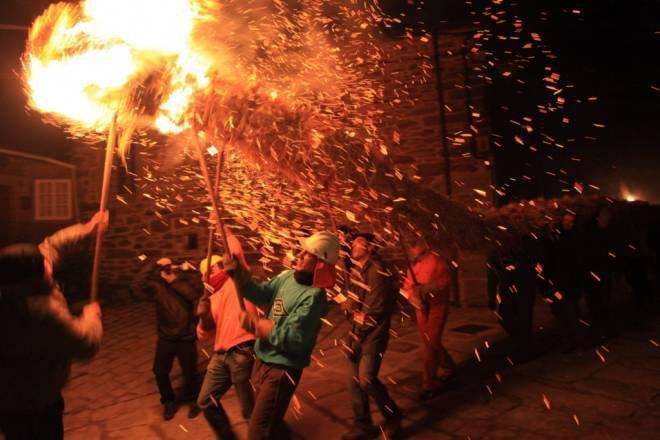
[{"x": 224, "y": 370}]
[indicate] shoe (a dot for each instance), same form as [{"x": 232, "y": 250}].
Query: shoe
[
  {"x": 359, "y": 432},
  {"x": 392, "y": 426},
  {"x": 169, "y": 410},
  {"x": 194, "y": 411}
]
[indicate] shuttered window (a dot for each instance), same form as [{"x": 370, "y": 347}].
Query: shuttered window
[{"x": 53, "y": 199}]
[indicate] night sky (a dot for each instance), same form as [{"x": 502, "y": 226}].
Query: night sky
[{"x": 608, "y": 50}]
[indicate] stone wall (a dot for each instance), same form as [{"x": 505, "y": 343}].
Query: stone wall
[
  {"x": 137, "y": 231},
  {"x": 425, "y": 145},
  {"x": 17, "y": 183}
]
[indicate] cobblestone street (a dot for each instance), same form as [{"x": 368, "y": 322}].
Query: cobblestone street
[{"x": 613, "y": 393}]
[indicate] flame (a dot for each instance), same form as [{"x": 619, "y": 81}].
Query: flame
[
  {"x": 628, "y": 195},
  {"x": 85, "y": 62}
]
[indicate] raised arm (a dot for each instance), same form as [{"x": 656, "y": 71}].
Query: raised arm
[
  {"x": 261, "y": 293},
  {"x": 70, "y": 239},
  {"x": 74, "y": 337}
]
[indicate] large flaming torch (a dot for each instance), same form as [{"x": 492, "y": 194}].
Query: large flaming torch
[{"x": 104, "y": 66}]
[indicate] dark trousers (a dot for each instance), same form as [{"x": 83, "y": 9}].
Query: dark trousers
[
  {"x": 517, "y": 314},
  {"x": 363, "y": 384},
  {"x": 41, "y": 425},
  {"x": 274, "y": 386},
  {"x": 599, "y": 303},
  {"x": 224, "y": 370},
  {"x": 567, "y": 310},
  {"x": 186, "y": 353},
  {"x": 431, "y": 323}
]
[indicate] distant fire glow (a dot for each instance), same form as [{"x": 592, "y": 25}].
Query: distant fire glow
[{"x": 628, "y": 195}]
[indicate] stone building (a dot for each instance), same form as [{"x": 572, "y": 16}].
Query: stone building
[
  {"x": 37, "y": 196},
  {"x": 443, "y": 139}
]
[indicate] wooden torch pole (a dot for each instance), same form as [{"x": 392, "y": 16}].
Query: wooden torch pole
[
  {"x": 209, "y": 246},
  {"x": 105, "y": 190},
  {"x": 214, "y": 203}
]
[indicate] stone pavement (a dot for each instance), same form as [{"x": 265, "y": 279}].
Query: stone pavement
[{"x": 609, "y": 393}]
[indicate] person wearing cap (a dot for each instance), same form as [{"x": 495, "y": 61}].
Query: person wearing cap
[
  {"x": 369, "y": 310},
  {"x": 296, "y": 303},
  {"x": 39, "y": 338},
  {"x": 428, "y": 290},
  {"x": 175, "y": 293},
  {"x": 233, "y": 357}
]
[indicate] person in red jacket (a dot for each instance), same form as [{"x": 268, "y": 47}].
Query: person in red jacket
[
  {"x": 233, "y": 357},
  {"x": 428, "y": 290}
]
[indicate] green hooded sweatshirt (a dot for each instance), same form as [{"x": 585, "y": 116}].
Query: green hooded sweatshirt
[{"x": 296, "y": 310}]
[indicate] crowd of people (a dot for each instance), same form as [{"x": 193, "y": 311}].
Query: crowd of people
[
  {"x": 578, "y": 267},
  {"x": 263, "y": 333}
]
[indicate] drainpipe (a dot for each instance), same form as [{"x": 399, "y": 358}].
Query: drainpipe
[
  {"x": 456, "y": 290},
  {"x": 468, "y": 98},
  {"x": 441, "y": 104}
]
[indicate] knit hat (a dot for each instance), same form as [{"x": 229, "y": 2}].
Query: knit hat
[
  {"x": 324, "y": 245},
  {"x": 20, "y": 262}
]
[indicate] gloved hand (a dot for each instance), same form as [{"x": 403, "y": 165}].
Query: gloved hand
[
  {"x": 91, "y": 311},
  {"x": 100, "y": 220},
  {"x": 236, "y": 271},
  {"x": 260, "y": 327}
]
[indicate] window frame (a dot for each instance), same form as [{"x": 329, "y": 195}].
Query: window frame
[{"x": 38, "y": 216}]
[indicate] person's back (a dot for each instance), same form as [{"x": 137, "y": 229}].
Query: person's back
[
  {"x": 38, "y": 336},
  {"x": 38, "y": 340}
]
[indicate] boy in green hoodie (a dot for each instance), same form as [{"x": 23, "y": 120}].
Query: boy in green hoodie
[{"x": 285, "y": 339}]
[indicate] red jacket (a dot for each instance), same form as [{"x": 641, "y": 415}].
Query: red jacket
[{"x": 432, "y": 272}]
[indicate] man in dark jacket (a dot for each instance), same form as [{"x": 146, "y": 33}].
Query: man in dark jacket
[
  {"x": 38, "y": 336},
  {"x": 603, "y": 245},
  {"x": 565, "y": 270},
  {"x": 370, "y": 312},
  {"x": 175, "y": 293}
]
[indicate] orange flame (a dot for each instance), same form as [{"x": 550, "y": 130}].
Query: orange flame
[{"x": 85, "y": 62}]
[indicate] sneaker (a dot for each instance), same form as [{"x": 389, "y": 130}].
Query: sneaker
[
  {"x": 359, "y": 432},
  {"x": 194, "y": 411},
  {"x": 169, "y": 410},
  {"x": 392, "y": 426}
]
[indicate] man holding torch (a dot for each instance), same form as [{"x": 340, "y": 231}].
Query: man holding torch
[
  {"x": 38, "y": 335},
  {"x": 233, "y": 357},
  {"x": 285, "y": 339},
  {"x": 175, "y": 293}
]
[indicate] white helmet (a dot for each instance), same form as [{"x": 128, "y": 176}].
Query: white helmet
[{"x": 324, "y": 245}]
